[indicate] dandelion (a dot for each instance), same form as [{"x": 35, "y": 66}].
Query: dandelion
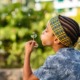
[{"x": 34, "y": 35}]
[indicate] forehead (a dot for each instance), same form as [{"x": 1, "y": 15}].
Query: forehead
[{"x": 48, "y": 25}]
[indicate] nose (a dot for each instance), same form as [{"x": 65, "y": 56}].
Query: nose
[{"x": 43, "y": 32}]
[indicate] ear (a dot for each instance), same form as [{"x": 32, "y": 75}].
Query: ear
[{"x": 56, "y": 40}]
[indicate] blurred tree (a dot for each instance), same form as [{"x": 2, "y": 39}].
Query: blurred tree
[{"x": 17, "y": 23}]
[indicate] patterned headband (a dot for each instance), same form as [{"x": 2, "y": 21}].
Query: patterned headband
[{"x": 59, "y": 31}]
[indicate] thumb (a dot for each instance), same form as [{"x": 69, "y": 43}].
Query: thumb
[{"x": 32, "y": 44}]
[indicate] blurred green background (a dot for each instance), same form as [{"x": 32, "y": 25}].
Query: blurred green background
[{"x": 17, "y": 22}]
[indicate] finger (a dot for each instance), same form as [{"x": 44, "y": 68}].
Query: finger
[
  {"x": 31, "y": 42},
  {"x": 34, "y": 45}
]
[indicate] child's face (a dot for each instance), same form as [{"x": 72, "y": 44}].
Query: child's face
[{"x": 47, "y": 36}]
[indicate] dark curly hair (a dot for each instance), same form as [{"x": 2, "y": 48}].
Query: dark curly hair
[{"x": 71, "y": 28}]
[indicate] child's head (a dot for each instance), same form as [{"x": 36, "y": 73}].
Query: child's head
[{"x": 60, "y": 30}]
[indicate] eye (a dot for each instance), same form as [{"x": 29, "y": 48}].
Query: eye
[{"x": 46, "y": 30}]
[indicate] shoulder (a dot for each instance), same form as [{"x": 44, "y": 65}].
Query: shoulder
[
  {"x": 54, "y": 61},
  {"x": 63, "y": 55}
]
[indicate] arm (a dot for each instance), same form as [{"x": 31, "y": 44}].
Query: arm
[{"x": 27, "y": 72}]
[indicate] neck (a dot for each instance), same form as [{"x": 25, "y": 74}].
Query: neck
[{"x": 57, "y": 47}]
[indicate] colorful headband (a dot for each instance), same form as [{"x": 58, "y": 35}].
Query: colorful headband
[{"x": 59, "y": 31}]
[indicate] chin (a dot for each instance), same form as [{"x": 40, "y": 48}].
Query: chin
[
  {"x": 46, "y": 44},
  {"x": 43, "y": 44}
]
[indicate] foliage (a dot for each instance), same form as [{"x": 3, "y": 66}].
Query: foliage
[
  {"x": 17, "y": 23},
  {"x": 77, "y": 18}
]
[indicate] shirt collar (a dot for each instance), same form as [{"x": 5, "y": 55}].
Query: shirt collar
[{"x": 65, "y": 49}]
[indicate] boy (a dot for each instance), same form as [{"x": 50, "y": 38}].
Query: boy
[{"x": 61, "y": 34}]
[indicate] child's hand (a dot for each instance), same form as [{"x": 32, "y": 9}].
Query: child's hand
[{"x": 30, "y": 46}]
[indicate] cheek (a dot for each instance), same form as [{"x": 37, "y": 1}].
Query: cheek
[
  {"x": 44, "y": 37},
  {"x": 46, "y": 40}
]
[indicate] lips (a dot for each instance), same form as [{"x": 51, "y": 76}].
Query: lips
[{"x": 42, "y": 36}]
